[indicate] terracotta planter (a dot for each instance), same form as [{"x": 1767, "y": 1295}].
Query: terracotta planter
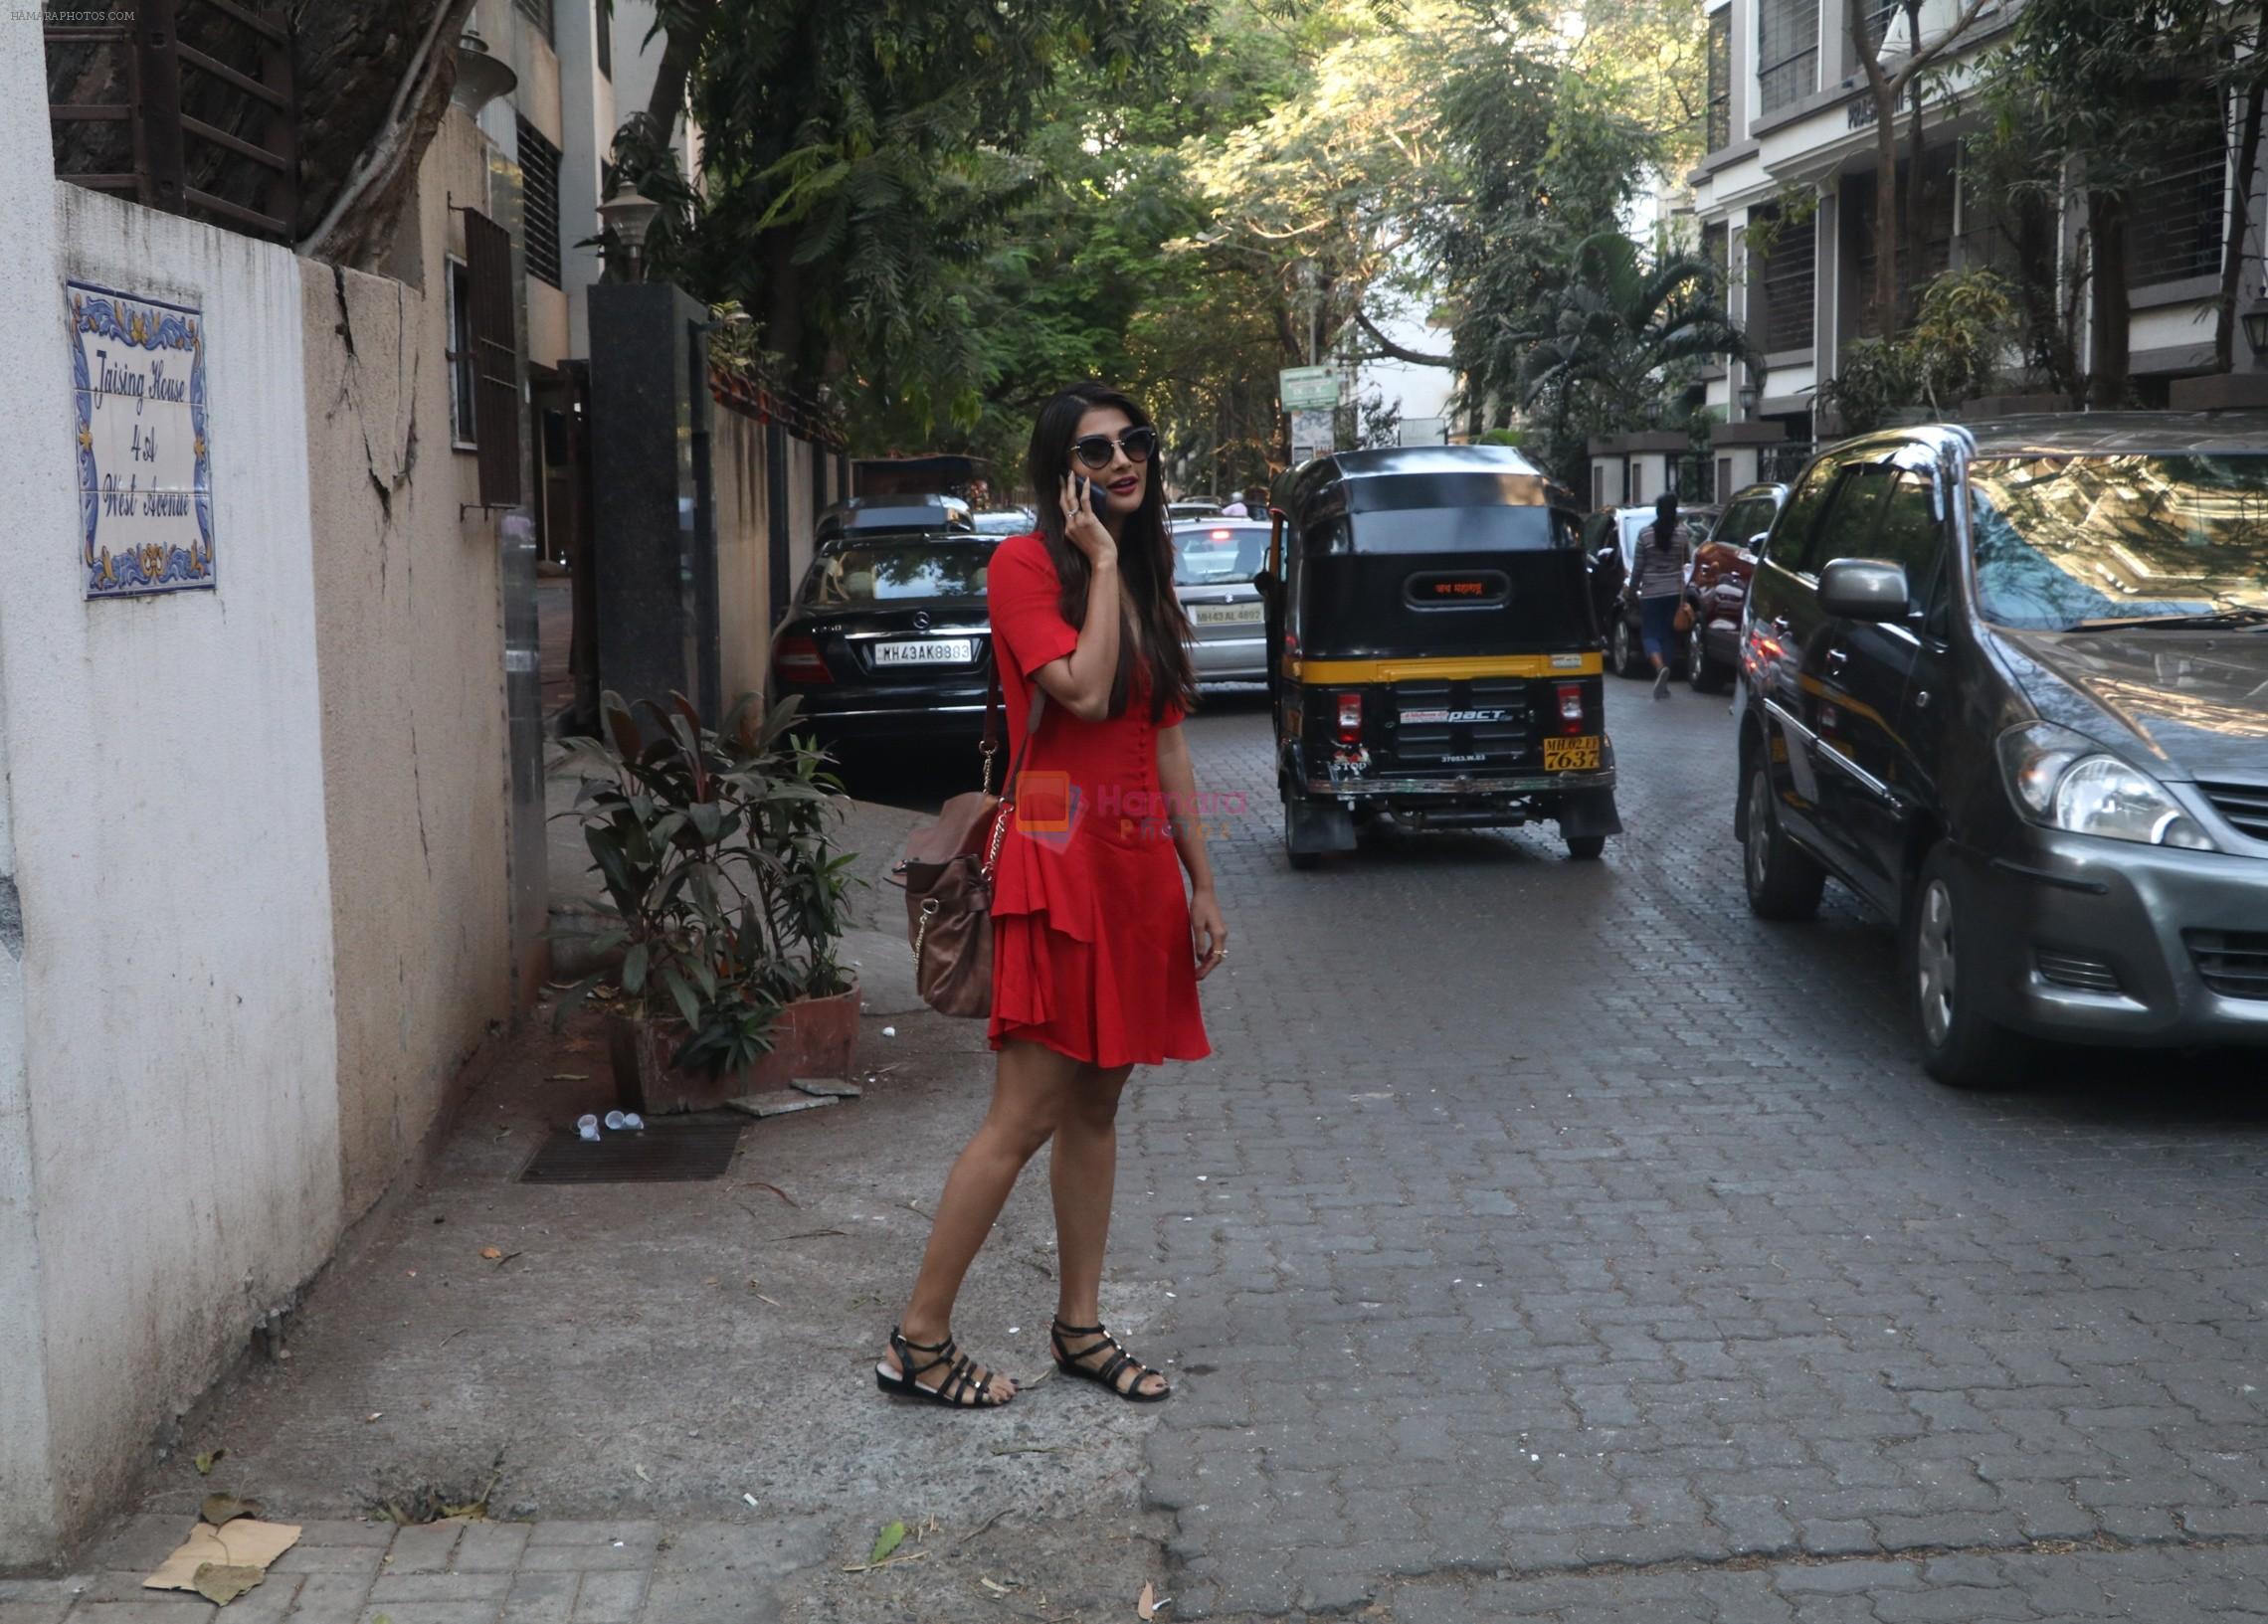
[{"x": 813, "y": 1037}]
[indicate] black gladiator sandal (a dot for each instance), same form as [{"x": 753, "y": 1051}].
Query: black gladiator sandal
[
  {"x": 954, "y": 1388},
  {"x": 1106, "y": 1374}
]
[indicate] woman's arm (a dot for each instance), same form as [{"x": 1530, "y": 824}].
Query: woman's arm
[
  {"x": 1081, "y": 680},
  {"x": 1208, "y": 933}
]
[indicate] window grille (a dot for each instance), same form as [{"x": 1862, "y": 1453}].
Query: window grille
[
  {"x": 1784, "y": 277},
  {"x": 1786, "y": 52},
  {"x": 495, "y": 356},
  {"x": 2177, "y": 219},
  {"x": 1780, "y": 465},
  {"x": 1720, "y": 85},
  {"x": 604, "y": 21},
  {"x": 1939, "y": 186},
  {"x": 539, "y": 203},
  {"x": 537, "y": 12},
  {"x": 1878, "y": 20}
]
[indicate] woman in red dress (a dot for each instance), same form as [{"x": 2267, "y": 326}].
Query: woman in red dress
[{"x": 1097, "y": 949}]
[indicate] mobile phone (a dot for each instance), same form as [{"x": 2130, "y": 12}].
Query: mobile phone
[{"x": 1087, "y": 491}]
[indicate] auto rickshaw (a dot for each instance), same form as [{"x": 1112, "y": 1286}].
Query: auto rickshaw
[{"x": 1436, "y": 657}]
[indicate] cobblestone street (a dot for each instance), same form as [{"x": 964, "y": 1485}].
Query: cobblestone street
[
  {"x": 1556, "y": 1240},
  {"x": 1546, "y": 1240}
]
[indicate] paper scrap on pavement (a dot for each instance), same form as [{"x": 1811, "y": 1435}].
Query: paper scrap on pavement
[{"x": 245, "y": 1542}]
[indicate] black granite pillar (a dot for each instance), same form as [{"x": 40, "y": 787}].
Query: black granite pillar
[{"x": 653, "y": 568}]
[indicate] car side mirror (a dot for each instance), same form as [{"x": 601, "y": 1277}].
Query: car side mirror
[{"x": 1863, "y": 589}]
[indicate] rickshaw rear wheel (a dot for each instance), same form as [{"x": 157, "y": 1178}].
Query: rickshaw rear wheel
[{"x": 1585, "y": 848}]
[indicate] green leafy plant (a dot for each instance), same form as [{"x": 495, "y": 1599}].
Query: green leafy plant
[
  {"x": 713, "y": 848},
  {"x": 1966, "y": 321}
]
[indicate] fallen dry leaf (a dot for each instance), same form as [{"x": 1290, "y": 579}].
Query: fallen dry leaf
[
  {"x": 494, "y": 1254},
  {"x": 208, "y": 1460},
  {"x": 995, "y": 1586},
  {"x": 372, "y": 1416},
  {"x": 222, "y": 1585},
  {"x": 1146, "y": 1605},
  {"x": 221, "y": 1510}
]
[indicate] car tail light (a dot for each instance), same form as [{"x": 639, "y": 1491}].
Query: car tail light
[
  {"x": 1221, "y": 535},
  {"x": 1350, "y": 718},
  {"x": 797, "y": 660},
  {"x": 1571, "y": 707}
]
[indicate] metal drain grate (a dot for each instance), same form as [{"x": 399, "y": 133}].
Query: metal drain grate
[{"x": 661, "y": 1152}]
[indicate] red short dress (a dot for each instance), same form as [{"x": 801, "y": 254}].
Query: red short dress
[{"x": 1091, "y": 949}]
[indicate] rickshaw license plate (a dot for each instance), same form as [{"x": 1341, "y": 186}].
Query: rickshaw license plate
[
  {"x": 1226, "y": 615},
  {"x": 1570, "y": 755}
]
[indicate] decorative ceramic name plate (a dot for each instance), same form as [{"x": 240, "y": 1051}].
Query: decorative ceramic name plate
[{"x": 145, "y": 466}]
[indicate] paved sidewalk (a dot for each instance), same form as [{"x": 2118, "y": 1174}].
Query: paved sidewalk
[{"x": 630, "y": 1571}]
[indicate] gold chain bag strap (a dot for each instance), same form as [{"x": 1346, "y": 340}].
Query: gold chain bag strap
[{"x": 947, "y": 872}]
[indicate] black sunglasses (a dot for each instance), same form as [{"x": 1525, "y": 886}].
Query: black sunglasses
[{"x": 1095, "y": 449}]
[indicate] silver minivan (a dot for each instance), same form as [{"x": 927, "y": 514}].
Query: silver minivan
[{"x": 1214, "y": 561}]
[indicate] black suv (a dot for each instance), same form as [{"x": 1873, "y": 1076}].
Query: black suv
[{"x": 2009, "y": 681}]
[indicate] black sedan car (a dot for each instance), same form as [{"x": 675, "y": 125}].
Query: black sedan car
[
  {"x": 888, "y": 637},
  {"x": 2008, "y": 682}
]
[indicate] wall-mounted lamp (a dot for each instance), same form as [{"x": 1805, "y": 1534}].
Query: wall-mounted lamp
[
  {"x": 1747, "y": 395},
  {"x": 481, "y": 77},
  {"x": 2256, "y": 329}
]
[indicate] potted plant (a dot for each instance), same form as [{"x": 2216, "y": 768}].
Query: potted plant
[{"x": 726, "y": 896}]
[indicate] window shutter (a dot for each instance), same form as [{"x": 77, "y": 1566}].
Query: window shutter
[{"x": 497, "y": 399}]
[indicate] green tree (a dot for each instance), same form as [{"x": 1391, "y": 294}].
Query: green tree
[
  {"x": 1617, "y": 337},
  {"x": 2087, "y": 98}
]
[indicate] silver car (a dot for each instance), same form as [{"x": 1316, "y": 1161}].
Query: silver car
[{"x": 1214, "y": 561}]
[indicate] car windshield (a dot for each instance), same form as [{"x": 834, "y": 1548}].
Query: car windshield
[
  {"x": 876, "y": 572},
  {"x": 1006, "y": 522},
  {"x": 1217, "y": 555},
  {"x": 2066, "y": 542}
]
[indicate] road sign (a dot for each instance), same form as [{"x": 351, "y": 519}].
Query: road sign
[
  {"x": 1311, "y": 435},
  {"x": 1308, "y": 388}
]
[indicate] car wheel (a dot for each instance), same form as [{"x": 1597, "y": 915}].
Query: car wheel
[
  {"x": 1627, "y": 657},
  {"x": 1706, "y": 676},
  {"x": 1784, "y": 882},
  {"x": 1959, "y": 1047},
  {"x": 1586, "y": 849},
  {"x": 1299, "y": 859}
]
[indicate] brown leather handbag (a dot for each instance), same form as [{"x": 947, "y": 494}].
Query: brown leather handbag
[
  {"x": 947, "y": 872},
  {"x": 1684, "y": 617}
]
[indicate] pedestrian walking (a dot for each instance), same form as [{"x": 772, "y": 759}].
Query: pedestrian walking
[
  {"x": 1657, "y": 583},
  {"x": 1097, "y": 949}
]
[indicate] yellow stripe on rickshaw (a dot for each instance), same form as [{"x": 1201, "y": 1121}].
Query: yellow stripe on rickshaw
[{"x": 1439, "y": 668}]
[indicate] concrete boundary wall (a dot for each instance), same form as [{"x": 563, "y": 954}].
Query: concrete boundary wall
[
  {"x": 257, "y": 832},
  {"x": 166, "y": 800}
]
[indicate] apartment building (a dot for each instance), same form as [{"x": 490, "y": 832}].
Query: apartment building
[{"x": 1791, "y": 129}]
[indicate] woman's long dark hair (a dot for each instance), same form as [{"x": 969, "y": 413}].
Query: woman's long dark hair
[{"x": 1145, "y": 551}]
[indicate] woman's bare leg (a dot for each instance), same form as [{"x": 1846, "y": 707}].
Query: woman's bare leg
[
  {"x": 1082, "y": 1172},
  {"x": 1029, "y": 1093}
]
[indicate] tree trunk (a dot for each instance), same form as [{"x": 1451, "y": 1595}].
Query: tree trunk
[
  {"x": 2240, "y": 211},
  {"x": 1887, "y": 226},
  {"x": 681, "y": 47},
  {"x": 1915, "y": 239},
  {"x": 2113, "y": 317}
]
